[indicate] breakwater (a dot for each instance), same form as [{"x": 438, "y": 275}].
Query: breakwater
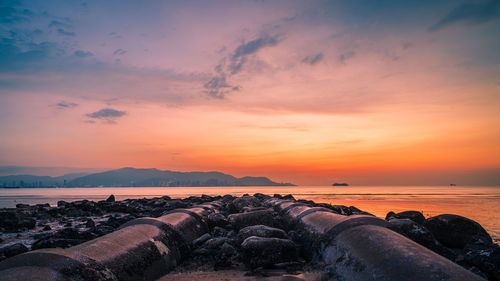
[{"x": 256, "y": 234}]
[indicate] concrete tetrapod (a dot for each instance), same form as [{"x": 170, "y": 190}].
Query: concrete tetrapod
[
  {"x": 360, "y": 247},
  {"x": 142, "y": 249}
]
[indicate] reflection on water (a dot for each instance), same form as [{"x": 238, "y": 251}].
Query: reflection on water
[{"x": 481, "y": 204}]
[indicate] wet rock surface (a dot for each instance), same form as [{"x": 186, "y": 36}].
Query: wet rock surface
[
  {"x": 244, "y": 234},
  {"x": 457, "y": 238}
]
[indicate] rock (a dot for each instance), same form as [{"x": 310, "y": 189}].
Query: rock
[
  {"x": 245, "y": 201},
  {"x": 261, "y": 196},
  {"x": 219, "y": 232},
  {"x": 484, "y": 257},
  {"x": 202, "y": 239},
  {"x": 47, "y": 228},
  {"x": 90, "y": 223},
  {"x": 16, "y": 219},
  {"x": 265, "y": 217},
  {"x": 421, "y": 235},
  {"x": 223, "y": 258},
  {"x": 215, "y": 243},
  {"x": 111, "y": 198},
  {"x": 261, "y": 251},
  {"x": 260, "y": 231},
  {"x": 62, "y": 203},
  {"x": 216, "y": 219},
  {"x": 456, "y": 231},
  {"x": 289, "y": 197},
  {"x": 415, "y": 216},
  {"x": 278, "y": 196},
  {"x": 22, "y": 206},
  {"x": 12, "y": 250}
]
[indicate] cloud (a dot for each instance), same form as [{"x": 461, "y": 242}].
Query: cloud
[
  {"x": 312, "y": 60},
  {"x": 217, "y": 87},
  {"x": 239, "y": 56},
  {"x": 106, "y": 115},
  {"x": 345, "y": 56},
  {"x": 63, "y": 32},
  {"x": 58, "y": 24},
  {"x": 10, "y": 15},
  {"x": 471, "y": 13},
  {"x": 119, "y": 52},
  {"x": 83, "y": 54},
  {"x": 64, "y": 105}
]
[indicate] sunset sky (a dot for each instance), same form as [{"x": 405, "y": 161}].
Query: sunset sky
[{"x": 309, "y": 92}]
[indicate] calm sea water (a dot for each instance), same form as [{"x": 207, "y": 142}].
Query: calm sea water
[{"x": 481, "y": 204}]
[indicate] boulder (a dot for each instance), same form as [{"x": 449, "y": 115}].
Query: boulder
[
  {"x": 265, "y": 217},
  {"x": 90, "y": 223},
  {"x": 485, "y": 257},
  {"x": 419, "y": 234},
  {"x": 111, "y": 198},
  {"x": 219, "y": 231},
  {"x": 245, "y": 201},
  {"x": 260, "y": 231},
  {"x": 216, "y": 219},
  {"x": 262, "y": 251},
  {"x": 415, "y": 216},
  {"x": 16, "y": 219},
  {"x": 456, "y": 231},
  {"x": 215, "y": 243},
  {"x": 202, "y": 239},
  {"x": 12, "y": 250},
  {"x": 62, "y": 203}
]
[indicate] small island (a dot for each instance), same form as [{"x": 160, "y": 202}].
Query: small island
[{"x": 340, "y": 184}]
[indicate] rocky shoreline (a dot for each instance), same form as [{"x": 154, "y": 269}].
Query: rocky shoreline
[{"x": 246, "y": 234}]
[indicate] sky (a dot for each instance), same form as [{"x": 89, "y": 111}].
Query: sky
[{"x": 309, "y": 92}]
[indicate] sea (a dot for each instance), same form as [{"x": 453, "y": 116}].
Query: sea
[{"x": 481, "y": 204}]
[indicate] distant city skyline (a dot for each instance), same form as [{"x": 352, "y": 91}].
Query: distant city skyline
[{"x": 308, "y": 92}]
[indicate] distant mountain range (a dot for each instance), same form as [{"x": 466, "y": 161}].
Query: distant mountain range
[{"x": 132, "y": 177}]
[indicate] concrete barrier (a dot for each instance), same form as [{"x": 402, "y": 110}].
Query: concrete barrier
[
  {"x": 360, "y": 247},
  {"x": 142, "y": 249}
]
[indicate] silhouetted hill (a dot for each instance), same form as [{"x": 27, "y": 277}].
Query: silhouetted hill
[
  {"x": 136, "y": 177},
  {"x": 155, "y": 177}
]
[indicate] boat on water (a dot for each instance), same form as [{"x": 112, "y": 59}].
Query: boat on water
[
  {"x": 340, "y": 184},
  {"x": 452, "y": 184}
]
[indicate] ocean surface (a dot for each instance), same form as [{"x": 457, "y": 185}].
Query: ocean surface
[{"x": 481, "y": 204}]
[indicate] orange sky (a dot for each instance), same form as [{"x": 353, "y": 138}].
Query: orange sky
[{"x": 263, "y": 89}]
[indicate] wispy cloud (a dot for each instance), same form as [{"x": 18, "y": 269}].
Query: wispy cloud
[
  {"x": 312, "y": 60},
  {"x": 345, "y": 56},
  {"x": 471, "y": 13},
  {"x": 64, "y": 105},
  {"x": 83, "y": 54},
  {"x": 119, "y": 52},
  {"x": 107, "y": 115},
  {"x": 63, "y": 32},
  {"x": 239, "y": 57},
  {"x": 217, "y": 86}
]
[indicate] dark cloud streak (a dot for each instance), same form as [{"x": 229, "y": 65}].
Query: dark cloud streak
[
  {"x": 106, "y": 115},
  {"x": 312, "y": 60},
  {"x": 217, "y": 86},
  {"x": 471, "y": 13},
  {"x": 64, "y": 105}
]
